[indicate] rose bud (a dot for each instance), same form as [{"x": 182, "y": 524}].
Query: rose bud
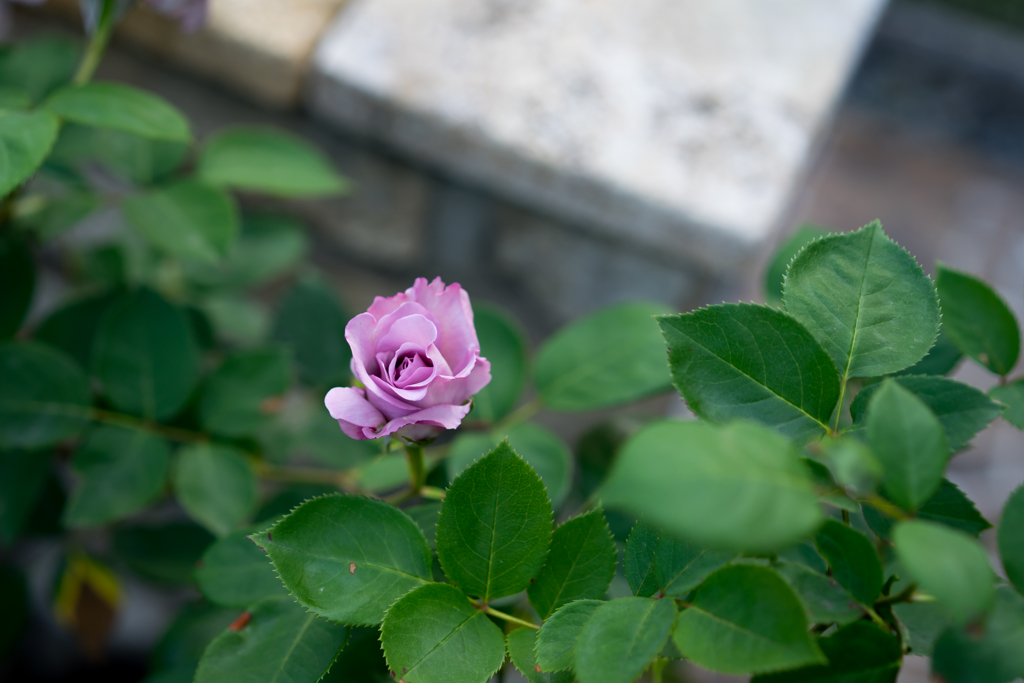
[{"x": 417, "y": 356}]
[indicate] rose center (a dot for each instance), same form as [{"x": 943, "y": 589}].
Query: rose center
[{"x": 411, "y": 368}]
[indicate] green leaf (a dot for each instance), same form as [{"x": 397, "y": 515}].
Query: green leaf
[
  {"x": 1012, "y": 396},
  {"x": 657, "y": 562},
  {"x": 746, "y": 619},
  {"x": 852, "y": 558},
  {"x": 44, "y": 396},
  {"x": 235, "y": 572},
  {"x": 237, "y": 320},
  {"x": 187, "y": 219},
  {"x": 183, "y": 643},
  {"x": 858, "y": 653},
  {"x": 57, "y": 215},
  {"x": 687, "y": 476},
  {"x": 581, "y": 564},
  {"x": 14, "y": 98},
  {"x": 120, "y": 472},
  {"x": 824, "y": 600},
  {"x": 132, "y": 158},
  {"x": 17, "y": 282},
  {"x": 503, "y": 343},
  {"x": 941, "y": 359},
  {"x": 435, "y": 635},
  {"x": 14, "y": 603},
  {"x": 267, "y": 161},
  {"x": 25, "y": 140},
  {"x": 1011, "y": 538},
  {"x": 22, "y": 478},
  {"x": 121, "y": 107},
  {"x": 977, "y": 320},
  {"x": 621, "y": 638},
  {"x": 495, "y": 526},
  {"x": 281, "y": 642},
  {"x": 639, "y": 558},
  {"x": 909, "y": 441},
  {"x": 144, "y": 355},
  {"x": 348, "y": 558},
  {"x": 854, "y": 466},
  {"x": 72, "y": 327},
  {"x": 993, "y": 653},
  {"x": 611, "y": 357},
  {"x": 324, "y": 441},
  {"x": 40, "y": 65},
  {"x": 746, "y": 361},
  {"x": 775, "y": 274},
  {"x": 558, "y": 636},
  {"x": 234, "y": 399},
  {"x": 167, "y": 554},
  {"x": 426, "y": 516},
  {"x": 947, "y": 506},
  {"x": 866, "y": 300},
  {"x": 963, "y": 410},
  {"x": 521, "y": 645},
  {"x": 924, "y": 622},
  {"x": 267, "y": 248},
  {"x": 947, "y": 564},
  {"x": 216, "y": 486},
  {"x": 544, "y": 450},
  {"x": 310, "y": 321}
]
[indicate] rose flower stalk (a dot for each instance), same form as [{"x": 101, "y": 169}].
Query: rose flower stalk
[{"x": 417, "y": 357}]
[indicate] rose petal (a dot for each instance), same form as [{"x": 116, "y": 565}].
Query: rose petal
[
  {"x": 414, "y": 330},
  {"x": 350, "y": 404},
  {"x": 443, "y": 416}
]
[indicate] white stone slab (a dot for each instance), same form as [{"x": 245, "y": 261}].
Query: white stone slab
[{"x": 676, "y": 125}]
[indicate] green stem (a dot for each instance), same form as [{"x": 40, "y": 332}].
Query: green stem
[
  {"x": 657, "y": 667},
  {"x": 882, "y": 505},
  {"x": 303, "y": 475},
  {"x": 97, "y": 44},
  {"x": 417, "y": 471},
  {"x": 903, "y": 596},
  {"x": 432, "y": 492},
  {"x": 507, "y": 617},
  {"x": 846, "y": 517},
  {"x": 520, "y": 414},
  {"x": 839, "y": 409}
]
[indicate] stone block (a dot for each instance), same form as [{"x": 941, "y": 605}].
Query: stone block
[{"x": 682, "y": 126}]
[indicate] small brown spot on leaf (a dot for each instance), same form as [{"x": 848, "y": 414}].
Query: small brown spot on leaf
[
  {"x": 351, "y": 567},
  {"x": 271, "y": 405},
  {"x": 241, "y": 622},
  {"x": 537, "y": 669}
]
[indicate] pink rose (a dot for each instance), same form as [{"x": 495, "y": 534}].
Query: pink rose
[{"x": 418, "y": 359}]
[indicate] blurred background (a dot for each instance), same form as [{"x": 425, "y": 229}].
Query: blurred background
[{"x": 555, "y": 156}]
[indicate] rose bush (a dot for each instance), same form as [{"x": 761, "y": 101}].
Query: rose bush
[{"x": 418, "y": 359}]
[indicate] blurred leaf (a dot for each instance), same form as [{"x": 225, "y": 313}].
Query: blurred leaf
[
  {"x": 12, "y": 97},
  {"x": 546, "y": 453},
  {"x": 287, "y": 500},
  {"x": 718, "y": 359},
  {"x": 866, "y": 300},
  {"x": 323, "y": 440},
  {"x": 426, "y": 515},
  {"x": 235, "y": 572},
  {"x": 362, "y": 659},
  {"x": 639, "y": 558},
  {"x": 133, "y": 158},
  {"x": 579, "y": 566},
  {"x": 521, "y": 644},
  {"x": 188, "y": 635},
  {"x": 25, "y": 140},
  {"x": 993, "y": 653},
  {"x": 746, "y": 619},
  {"x": 119, "y": 471},
  {"x": 621, "y": 638},
  {"x": 279, "y": 641},
  {"x": 186, "y": 219},
  {"x": 658, "y": 563},
  {"x": 559, "y": 633},
  {"x": 963, "y": 410},
  {"x": 852, "y": 559},
  {"x": 977, "y": 320},
  {"x": 121, "y": 107},
  {"x": 44, "y": 396},
  {"x": 495, "y": 526},
  {"x": 1012, "y": 396},
  {"x": 854, "y": 465},
  {"x": 216, "y": 486},
  {"x": 947, "y": 564},
  {"x": 1011, "y": 538},
  {"x": 267, "y": 161},
  {"x": 72, "y": 327},
  {"x": 267, "y": 247},
  {"x": 167, "y": 553},
  {"x": 144, "y": 355},
  {"x": 824, "y": 600},
  {"x": 58, "y": 215},
  {"x": 947, "y": 506},
  {"x": 348, "y": 558},
  {"x": 858, "y": 653},
  {"x": 909, "y": 441},
  {"x": 238, "y": 397},
  {"x": 237, "y": 320},
  {"x": 40, "y": 65},
  {"x": 775, "y": 274},
  {"x": 426, "y": 637},
  {"x": 687, "y": 476},
  {"x": 17, "y": 282},
  {"x": 605, "y": 359},
  {"x": 312, "y": 324},
  {"x": 503, "y": 343},
  {"x": 14, "y": 607},
  {"x": 924, "y": 623},
  {"x": 22, "y": 478},
  {"x": 941, "y": 359}
]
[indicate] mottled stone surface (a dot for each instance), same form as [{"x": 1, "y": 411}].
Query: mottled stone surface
[{"x": 681, "y": 125}]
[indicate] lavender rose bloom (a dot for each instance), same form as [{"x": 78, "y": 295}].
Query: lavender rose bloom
[{"x": 417, "y": 356}]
